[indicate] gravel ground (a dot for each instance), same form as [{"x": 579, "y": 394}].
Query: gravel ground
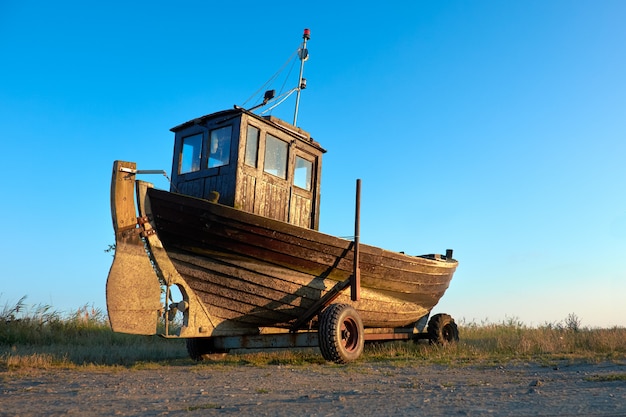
[{"x": 366, "y": 389}]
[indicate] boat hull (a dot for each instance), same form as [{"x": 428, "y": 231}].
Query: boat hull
[{"x": 256, "y": 272}]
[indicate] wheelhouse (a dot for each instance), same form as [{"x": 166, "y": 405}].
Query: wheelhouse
[{"x": 259, "y": 164}]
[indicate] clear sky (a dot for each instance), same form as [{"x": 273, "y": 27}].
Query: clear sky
[{"x": 495, "y": 128}]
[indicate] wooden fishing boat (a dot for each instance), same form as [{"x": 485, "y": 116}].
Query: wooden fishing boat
[{"x": 237, "y": 237}]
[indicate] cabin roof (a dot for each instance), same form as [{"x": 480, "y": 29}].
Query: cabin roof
[
  {"x": 270, "y": 120},
  {"x": 202, "y": 119}
]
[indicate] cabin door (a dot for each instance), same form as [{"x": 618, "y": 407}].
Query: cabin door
[
  {"x": 272, "y": 187},
  {"x": 302, "y": 191}
]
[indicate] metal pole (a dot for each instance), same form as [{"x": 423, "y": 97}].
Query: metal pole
[
  {"x": 304, "y": 54},
  {"x": 166, "y": 315},
  {"x": 355, "y": 285}
]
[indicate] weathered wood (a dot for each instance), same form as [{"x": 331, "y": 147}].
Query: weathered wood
[
  {"x": 214, "y": 277},
  {"x": 251, "y": 188},
  {"x": 324, "y": 301},
  {"x": 198, "y": 318},
  {"x": 267, "y": 267},
  {"x": 253, "y": 258},
  {"x": 301, "y": 249},
  {"x": 132, "y": 290}
]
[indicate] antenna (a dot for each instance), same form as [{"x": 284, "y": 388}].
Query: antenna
[{"x": 304, "y": 55}]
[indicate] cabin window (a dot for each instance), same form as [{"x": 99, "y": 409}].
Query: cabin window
[
  {"x": 275, "y": 156},
  {"x": 190, "y": 154},
  {"x": 252, "y": 146},
  {"x": 303, "y": 173},
  {"x": 219, "y": 147}
]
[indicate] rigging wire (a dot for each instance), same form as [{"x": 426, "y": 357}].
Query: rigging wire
[
  {"x": 293, "y": 63},
  {"x": 273, "y": 77},
  {"x": 287, "y": 94}
]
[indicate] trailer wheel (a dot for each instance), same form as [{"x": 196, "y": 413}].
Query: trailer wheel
[
  {"x": 442, "y": 329},
  {"x": 341, "y": 334},
  {"x": 200, "y": 348}
]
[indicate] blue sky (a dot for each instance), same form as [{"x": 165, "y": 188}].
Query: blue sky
[{"x": 494, "y": 128}]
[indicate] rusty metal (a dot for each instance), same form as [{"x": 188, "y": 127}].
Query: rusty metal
[
  {"x": 145, "y": 228},
  {"x": 146, "y": 233},
  {"x": 266, "y": 341},
  {"x": 387, "y": 336}
]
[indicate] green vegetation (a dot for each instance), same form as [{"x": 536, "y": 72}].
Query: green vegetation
[
  {"x": 41, "y": 337},
  {"x": 491, "y": 344},
  {"x": 38, "y": 337},
  {"x": 606, "y": 378}
]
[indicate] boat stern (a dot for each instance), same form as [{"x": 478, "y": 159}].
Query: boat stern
[{"x": 133, "y": 291}]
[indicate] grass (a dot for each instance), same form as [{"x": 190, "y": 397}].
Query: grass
[
  {"x": 606, "y": 378},
  {"x": 38, "y": 337},
  {"x": 209, "y": 406},
  {"x": 511, "y": 341}
]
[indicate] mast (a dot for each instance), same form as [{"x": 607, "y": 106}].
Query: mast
[{"x": 304, "y": 55}]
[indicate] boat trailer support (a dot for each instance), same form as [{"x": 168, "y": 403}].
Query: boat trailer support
[
  {"x": 355, "y": 280},
  {"x": 304, "y": 339},
  {"x": 319, "y": 305}
]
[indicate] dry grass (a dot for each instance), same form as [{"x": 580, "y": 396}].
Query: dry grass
[
  {"x": 511, "y": 341},
  {"x": 38, "y": 337}
]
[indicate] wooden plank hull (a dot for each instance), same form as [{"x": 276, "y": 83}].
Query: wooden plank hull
[{"x": 260, "y": 272}]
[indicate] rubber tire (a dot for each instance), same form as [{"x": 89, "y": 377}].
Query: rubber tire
[
  {"x": 442, "y": 329},
  {"x": 341, "y": 333},
  {"x": 199, "y": 348}
]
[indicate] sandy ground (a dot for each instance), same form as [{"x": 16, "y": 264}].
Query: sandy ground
[{"x": 366, "y": 389}]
